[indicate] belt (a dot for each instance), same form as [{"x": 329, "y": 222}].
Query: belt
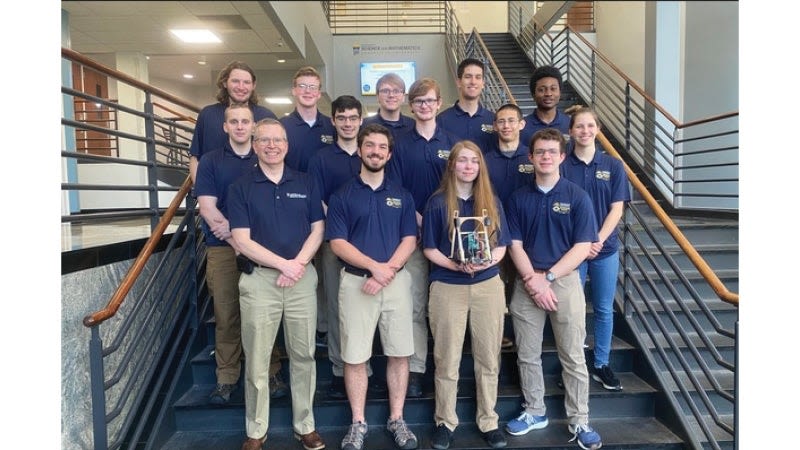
[{"x": 361, "y": 272}]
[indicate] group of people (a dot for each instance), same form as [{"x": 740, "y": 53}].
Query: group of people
[{"x": 373, "y": 205}]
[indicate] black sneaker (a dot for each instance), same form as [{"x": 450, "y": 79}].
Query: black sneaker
[
  {"x": 442, "y": 437},
  {"x": 495, "y": 438},
  {"x": 414, "y": 385},
  {"x": 606, "y": 377},
  {"x": 337, "y": 390},
  {"x": 277, "y": 388},
  {"x": 221, "y": 394}
]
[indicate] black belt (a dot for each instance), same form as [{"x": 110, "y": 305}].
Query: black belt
[{"x": 361, "y": 272}]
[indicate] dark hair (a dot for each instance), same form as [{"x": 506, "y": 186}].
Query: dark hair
[
  {"x": 344, "y": 102},
  {"x": 545, "y": 72},
  {"x": 469, "y": 62},
  {"x": 222, "y": 80},
  {"x": 548, "y": 134},
  {"x": 375, "y": 128},
  {"x": 511, "y": 106}
]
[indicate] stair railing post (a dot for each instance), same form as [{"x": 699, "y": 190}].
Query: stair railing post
[
  {"x": 98, "y": 392},
  {"x": 152, "y": 166},
  {"x": 192, "y": 239}
]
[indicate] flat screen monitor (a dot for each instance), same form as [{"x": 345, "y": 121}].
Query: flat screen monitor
[{"x": 371, "y": 71}]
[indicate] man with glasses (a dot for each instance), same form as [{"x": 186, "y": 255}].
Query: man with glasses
[
  {"x": 509, "y": 169},
  {"x": 277, "y": 285},
  {"x": 467, "y": 118},
  {"x": 307, "y": 128},
  {"x": 331, "y": 168},
  {"x": 552, "y": 226},
  {"x": 419, "y": 161},
  {"x": 391, "y": 91}
]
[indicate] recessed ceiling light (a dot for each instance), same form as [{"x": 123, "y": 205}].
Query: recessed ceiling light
[
  {"x": 196, "y": 36},
  {"x": 278, "y": 100},
  {"x": 202, "y": 63},
  {"x": 281, "y": 60},
  {"x": 188, "y": 76}
]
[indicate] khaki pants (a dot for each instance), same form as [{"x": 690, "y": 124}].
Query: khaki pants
[
  {"x": 263, "y": 306},
  {"x": 569, "y": 328},
  {"x": 223, "y": 284},
  {"x": 451, "y": 308},
  {"x": 419, "y": 268}
]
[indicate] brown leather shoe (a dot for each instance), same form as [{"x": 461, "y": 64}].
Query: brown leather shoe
[
  {"x": 310, "y": 441},
  {"x": 254, "y": 444}
]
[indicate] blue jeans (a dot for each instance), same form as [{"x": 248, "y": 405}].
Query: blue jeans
[{"x": 603, "y": 275}]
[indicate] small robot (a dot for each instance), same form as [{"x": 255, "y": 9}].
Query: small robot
[{"x": 473, "y": 246}]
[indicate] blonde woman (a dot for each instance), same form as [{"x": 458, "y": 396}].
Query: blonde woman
[{"x": 465, "y": 288}]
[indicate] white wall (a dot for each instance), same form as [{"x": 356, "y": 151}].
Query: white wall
[
  {"x": 487, "y": 17},
  {"x": 621, "y": 35}
]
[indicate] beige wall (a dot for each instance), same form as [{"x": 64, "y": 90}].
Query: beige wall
[{"x": 487, "y": 17}]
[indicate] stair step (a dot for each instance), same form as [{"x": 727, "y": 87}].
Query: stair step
[{"x": 622, "y": 433}]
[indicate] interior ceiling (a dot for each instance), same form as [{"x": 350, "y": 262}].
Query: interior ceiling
[{"x": 99, "y": 29}]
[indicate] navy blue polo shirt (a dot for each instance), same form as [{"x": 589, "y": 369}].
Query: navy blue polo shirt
[
  {"x": 208, "y": 132},
  {"x": 478, "y": 128},
  {"x": 279, "y": 216},
  {"x": 397, "y": 128},
  {"x": 418, "y": 164},
  {"x": 331, "y": 167},
  {"x": 375, "y": 222},
  {"x": 550, "y": 224},
  {"x": 508, "y": 173},
  {"x": 436, "y": 234},
  {"x": 305, "y": 141},
  {"x": 606, "y": 182},
  {"x": 215, "y": 172},
  {"x": 534, "y": 124}
]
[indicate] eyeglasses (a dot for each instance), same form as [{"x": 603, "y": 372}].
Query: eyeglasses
[
  {"x": 386, "y": 91},
  {"x": 307, "y": 87},
  {"x": 268, "y": 141},
  {"x": 343, "y": 119},
  {"x": 424, "y": 101},
  {"x": 503, "y": 122},
  {"x": 549, "y": 151}
]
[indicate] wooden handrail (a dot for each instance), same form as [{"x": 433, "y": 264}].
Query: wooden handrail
[
  {"x": 176, "y": 113},
  {"x": 494, "y": 66},
  {"x": 705, "y": 270},
  {"x": 135, "y": 270}
]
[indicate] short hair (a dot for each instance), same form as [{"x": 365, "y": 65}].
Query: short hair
[
  {"x": 374, "y": 128},
  {"x": 222, "y": 80},
  {"x": 549, "y": 134},
  {"x": 344, "y": 102},
  {"x": 391, "y": 78},
  {"x": 422, "y": 86},
  {"x": 511, "y": 106},
  {"x": 307, "y": 71},
  {"x": 545, "y": 72},
  {"x": 236, "y": 106},
  {"x": 469, "y": 62},
  {"x": 269, "y": 121}
]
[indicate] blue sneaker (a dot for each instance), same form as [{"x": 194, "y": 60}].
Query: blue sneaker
[
  {"x": 525, "y": 423},
  {"x": 587, "y": 438}
]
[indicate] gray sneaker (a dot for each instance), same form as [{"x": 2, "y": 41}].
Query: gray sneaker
[
  {"x": 221, "y": 394},
  {"x": 354, "y": 439},
  {"x": 403, "y": 437}
]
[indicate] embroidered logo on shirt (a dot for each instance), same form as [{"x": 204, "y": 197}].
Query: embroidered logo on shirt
[
  {"x": 525, "y": 168},
  {"x": 561, "y": 208},
  {"x": 604, "y": 175},
  {"x": 326, "y": 139},
  {"x": 394, "y": 202},
  {"x": 443, "y": 154},
  {"x": 295, "y": 195},
  {"x": 487, "y": 127}
]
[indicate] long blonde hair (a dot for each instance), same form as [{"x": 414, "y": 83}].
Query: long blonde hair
[{"x": 482, "y": 192}]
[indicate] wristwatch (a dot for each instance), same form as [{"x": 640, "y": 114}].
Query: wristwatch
[{"x": 550, "y": 276}]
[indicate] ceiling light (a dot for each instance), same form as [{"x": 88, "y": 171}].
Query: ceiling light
[
  {"x": 188, "y": 76},
  {"x": 202, "y": 63},
  {"x": 281, "y": 60},
  {"x": 196, "y": 36},
  {"x": 278, "y": 100}
]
